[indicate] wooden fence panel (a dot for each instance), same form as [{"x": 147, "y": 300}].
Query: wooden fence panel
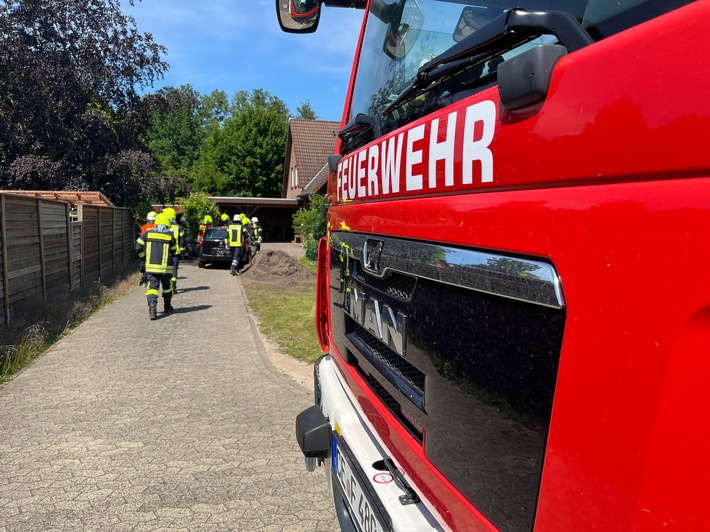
[
  {"x": 90, "y": 220},
  {"x": 23, "y": 258},
  {"x": 77, "y": 255},
  {"x": 106, "y": 228},
  {"x": 42, "y": 251},
  {"x": 54, "y": 235}
]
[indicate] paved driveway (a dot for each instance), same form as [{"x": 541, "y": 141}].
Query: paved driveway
[{"x": 181, "y": 423}]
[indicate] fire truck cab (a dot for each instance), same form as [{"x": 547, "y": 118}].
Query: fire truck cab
[{"x": 512, "y": 296}]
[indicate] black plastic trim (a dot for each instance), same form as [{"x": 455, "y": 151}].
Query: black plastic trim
[
  {"x": 313, "y": 433},
  {"x": 525, "y": 79}
]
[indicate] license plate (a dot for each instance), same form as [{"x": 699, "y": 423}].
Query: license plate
[{"x": 363, "y": 508}]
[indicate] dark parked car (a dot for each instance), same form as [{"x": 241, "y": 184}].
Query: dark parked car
[{"x": 215, "y": 247}]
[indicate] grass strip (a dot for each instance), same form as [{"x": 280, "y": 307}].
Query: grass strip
[{"x": 287, "y": 318}]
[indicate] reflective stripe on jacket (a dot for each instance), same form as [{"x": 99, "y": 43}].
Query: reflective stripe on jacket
[
  {"x": 256, "y": 229},
  {"x": 157, "y": 250},
  {"x": 235, "y": 235},
  {"x": 179, "y": 234}
]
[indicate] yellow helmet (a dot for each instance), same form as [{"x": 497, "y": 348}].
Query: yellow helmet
[
  {"x": 207, "y": 219},
  {"x": 162, "y": 219},
  {"x": 224, "y": 217},
  {"x": 170, "y": 213}
]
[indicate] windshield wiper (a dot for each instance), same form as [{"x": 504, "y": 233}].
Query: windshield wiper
[{"x": 503, "y": 33}]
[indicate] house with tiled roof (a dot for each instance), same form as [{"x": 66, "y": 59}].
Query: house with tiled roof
[{"x": 308, "y": 146}]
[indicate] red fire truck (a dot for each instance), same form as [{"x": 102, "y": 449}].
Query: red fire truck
[{"x": 513, "y": 293}]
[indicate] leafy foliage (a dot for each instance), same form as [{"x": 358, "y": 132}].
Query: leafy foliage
[
  {"x": 310, "y": 224},
  {"x": 195, "y": 207},
  {"x": 245, "y": 155},
  {"x": 70, "y": 115},
  {"x": 220, "y": 146},
  {"x": 306, "y": 112},
  {"x": 176, "y": 135}
]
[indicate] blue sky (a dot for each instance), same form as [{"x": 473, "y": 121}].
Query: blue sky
[{"x": 235, "y": 45}]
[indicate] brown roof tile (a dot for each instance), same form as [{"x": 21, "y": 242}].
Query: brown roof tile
[
  {"x": 75, "y": 197},
  {"x": 313, "y": 142}
]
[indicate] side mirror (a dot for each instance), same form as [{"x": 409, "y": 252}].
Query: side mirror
[{"x": 298, "y": 16}]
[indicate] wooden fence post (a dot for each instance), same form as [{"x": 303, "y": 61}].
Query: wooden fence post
[
  {"x": 113, "y": 240},
  {"x": 70, "y": 246},
  {"x": 99, "y": 235},
  {"x": 42, "y": 264},
  {"x": 81, "y": 249}
]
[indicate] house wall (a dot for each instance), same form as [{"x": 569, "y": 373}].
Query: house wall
[{"x": 291, "y": 190}]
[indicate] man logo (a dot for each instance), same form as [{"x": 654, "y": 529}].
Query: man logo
[{"x": 378, "y": 318}]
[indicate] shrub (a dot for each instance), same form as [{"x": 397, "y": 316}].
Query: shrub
[
  {"x": 195, "y": 207},
  {"x": 310, "y": 224}
]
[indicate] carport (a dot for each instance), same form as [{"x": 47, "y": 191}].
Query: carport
[{"x": 275, "y": 214}]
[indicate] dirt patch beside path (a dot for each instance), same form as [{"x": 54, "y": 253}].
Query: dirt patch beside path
[{"x": 278, "y": 268}]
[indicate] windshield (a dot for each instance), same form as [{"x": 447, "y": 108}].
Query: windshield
[{"x": 403, "y": 35}]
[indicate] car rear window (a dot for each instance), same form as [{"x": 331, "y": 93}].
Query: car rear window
[{"x": 216, "y": 233}]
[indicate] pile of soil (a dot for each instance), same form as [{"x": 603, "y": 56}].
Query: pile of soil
[{"x": 279, "y": 268}]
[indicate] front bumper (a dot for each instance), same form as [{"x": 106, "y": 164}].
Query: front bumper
[{"x": 335, "y": 433}]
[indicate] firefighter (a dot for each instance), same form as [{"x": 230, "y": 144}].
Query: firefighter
[
  {"x": 256, "y": 230},
  {"x": 236, "y": 241},
  {"x": 206, "y": 222},
  {"x": 186, "y": 254},
  {"x": 248, "y": 233},
  {"x": 156, "y": 248},
  {"x": 179, "y": 234},
  {"x": 150, "y": 222}
]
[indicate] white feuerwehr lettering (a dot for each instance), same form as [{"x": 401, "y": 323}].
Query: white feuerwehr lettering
[
  {"x": 391, "y": 163},
  {"x": 379, "y": 170},
  {"x": 343, "y": 179},
  {"x": 352, "y": 177},
  {"x": 414, "y": 156},
  {"x": 361, "y": 173},
  {"x": 477, "y": 150},
  {"x": 442, "y": 151},
  {"x": 372, "y": 162}
]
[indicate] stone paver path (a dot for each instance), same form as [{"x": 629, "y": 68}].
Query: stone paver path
[{"x": 177, "y": 424}]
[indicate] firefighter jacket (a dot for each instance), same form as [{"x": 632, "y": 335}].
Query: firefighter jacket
[
  {"x": 235, "y": 235},
  {"x": 247, "y": 230},
  {"x": 179, "y": 233},
  {"x": 157, "y": 249},
  {"x": 147, "y": 226},
  {"x": 203, "y": 227},
  {"x": 256, "y": 231}
]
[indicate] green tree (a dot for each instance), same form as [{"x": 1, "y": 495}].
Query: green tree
[
  {"x": 195, "y": 207},
  {"x": 70, "y": 114},
  {"x": 177, "y": 131},
  {"x": 215, "y": 110},
  {"x": 248, "y": 150},
  {"x": 306, "y": 112},
  {"x": 310, "y": 224}
]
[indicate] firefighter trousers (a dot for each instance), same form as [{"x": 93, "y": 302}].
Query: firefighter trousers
[
  {"x": 155, "y": 281},
  {"x": 176, "y": 265}
]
